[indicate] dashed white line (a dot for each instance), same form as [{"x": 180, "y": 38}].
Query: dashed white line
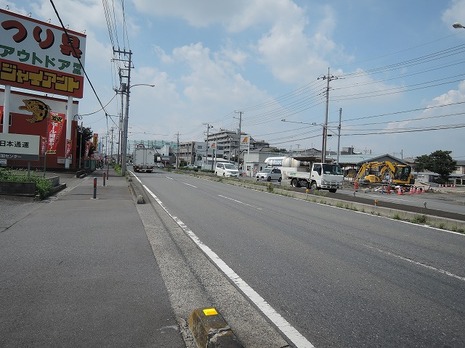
[
  {"x": 239, "y": 202},
  {"x": 185, "y": 183},
  {"x": 283, "y": 325},
  {"x": 438, "y": 270}
]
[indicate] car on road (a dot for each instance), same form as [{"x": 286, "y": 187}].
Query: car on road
[
  {"x": 226, "y": 169},
  {"x": 269, "y": 174}
]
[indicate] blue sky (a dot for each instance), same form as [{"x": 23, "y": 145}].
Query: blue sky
[{"x": 398, "y": 68}]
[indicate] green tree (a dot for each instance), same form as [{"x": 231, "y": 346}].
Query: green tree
[
  {"x": 84, "y": 134},
  {"x": 422, "y": 163},
  {"x": 439, "y": 162}
]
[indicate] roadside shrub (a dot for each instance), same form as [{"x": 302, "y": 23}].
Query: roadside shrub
[
  {"x": 117, "y": 168},
  {"x": 6, "y": 175},
  {"x": 269, "y": 187},
  {"x": 419, "y": 219},
  {"x": 43, "y": 187}
]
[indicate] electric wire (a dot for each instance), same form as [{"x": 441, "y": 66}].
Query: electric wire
[
  {"x": 77, "y": 56},
  {"x": 422, "y": 59}
]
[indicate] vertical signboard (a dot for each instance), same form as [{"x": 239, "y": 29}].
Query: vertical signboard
[
  {"x": 39, "y": 56},
  {"x": 245, "y": 142},
  {"x": 54, "y": 130}
]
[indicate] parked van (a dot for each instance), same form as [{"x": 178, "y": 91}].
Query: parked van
[{"x": 226, "y": 169}]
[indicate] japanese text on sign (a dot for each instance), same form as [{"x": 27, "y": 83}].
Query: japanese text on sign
[
  {"x": 48, "y": 81},
  {"x": 36, "y": 51},
  {"x": 19, "y": 146},
  {"x": 11, "y": 143}
]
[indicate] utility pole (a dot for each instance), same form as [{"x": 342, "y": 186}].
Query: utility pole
[
  {"x": 125, "y": 88},
  {"x": 112, "y": 140},
  {"x": 328, "y": 79},
  {"x": 239, "y": 132},
  {"x": 80, "y": 144},
  {"x": 339, "y": 135},
  {"x": 208, "y": 133},
  {"x": 177, "y": 150},
  {"x": 120, "y": 125}
]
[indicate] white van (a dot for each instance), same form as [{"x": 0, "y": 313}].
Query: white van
[{"x": 226, "y": 169}]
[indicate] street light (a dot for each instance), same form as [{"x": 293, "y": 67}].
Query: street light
[
  {"x": 458, "y": 26},
  {"x": 325, "y": 135},
  {"x": 310, "y": 124},
  {"x": 124, "y": 137}
]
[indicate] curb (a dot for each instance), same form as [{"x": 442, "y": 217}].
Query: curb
[
  {"x": 138, "y": 192},
  {"x": 211, "y": 330}
]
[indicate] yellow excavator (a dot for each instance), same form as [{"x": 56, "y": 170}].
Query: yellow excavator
[{"x": 385, "y": 172}]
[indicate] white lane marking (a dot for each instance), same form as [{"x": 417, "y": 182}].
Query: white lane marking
[
  {"x": 283, "y": 325},
  {"x": 438, "y": 270},
  {"x": 185, "y": 183},
  {"x": 137, "y": 178},
  {"x": 235, "y": 200},
  {"x": 169, "y": 177}
]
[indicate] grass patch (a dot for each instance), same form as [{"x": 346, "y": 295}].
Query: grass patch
[
  {"x": 419, "y": 219},
  {"x": 457, "y": 229}
]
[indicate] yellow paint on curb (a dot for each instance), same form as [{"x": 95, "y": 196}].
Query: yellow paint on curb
[{"x": 210, "y": 311}]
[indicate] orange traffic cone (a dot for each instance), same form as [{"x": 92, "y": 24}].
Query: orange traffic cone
[{"x": 399, "y": 191}]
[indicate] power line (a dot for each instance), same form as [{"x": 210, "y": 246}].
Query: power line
[
  {"x": 408, "y": 130},
  {"x": 298, "y": 104},
  {"x": 403, "y": 111},
  {"x": 77, "y": 56}
]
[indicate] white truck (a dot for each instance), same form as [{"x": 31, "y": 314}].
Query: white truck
[
  {"x": 308, "y": 172},
  {"x": 143, "y": 159}
]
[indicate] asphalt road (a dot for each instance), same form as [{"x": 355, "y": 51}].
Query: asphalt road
[{"x": 340, "y": 278}]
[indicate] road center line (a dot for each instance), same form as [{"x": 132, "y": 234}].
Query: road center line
[
  {"x": 185, "y": 183},
  {"x": 282, "y": 324},
  {"x": 239, "y": 202},
  {"x": 438, "y": 270}
]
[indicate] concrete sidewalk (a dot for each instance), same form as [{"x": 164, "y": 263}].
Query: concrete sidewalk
[{"x": 78, "y": 271}]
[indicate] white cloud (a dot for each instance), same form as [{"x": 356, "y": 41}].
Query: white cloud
[
  {"x": 79, "y": 15},
  {"x": 200, "y": 13},
  {"x": 235, "y": 16},
  {"x": 288, "y": 51},
  {"x": 455, "y": 13},
  {"x": 292, "y": 54},
  {"x": 452, "y": 96},
  {"x": 161, "y": 54},
  {"x": 211, "y": 79},
  {"x": 235, "y": 55},
  {"x": 208, "y": 85}
]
